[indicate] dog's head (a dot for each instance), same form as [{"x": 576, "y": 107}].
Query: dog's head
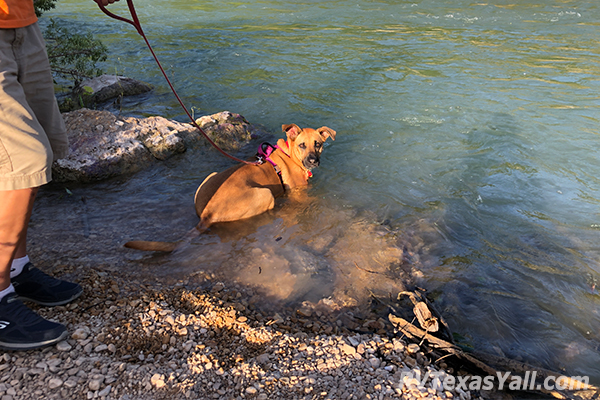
[{"x": 306, "y": 144}]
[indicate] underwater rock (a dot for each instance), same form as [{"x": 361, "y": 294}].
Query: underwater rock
[
  {"x": 107, "y": 87},
  {"x": 229, "y": 131},
  {"x": 103, "y": 145}
]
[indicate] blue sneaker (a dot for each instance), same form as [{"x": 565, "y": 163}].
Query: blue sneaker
[
  {"x": 22, "y": 329},
  {"x": 36, "y": 286}
]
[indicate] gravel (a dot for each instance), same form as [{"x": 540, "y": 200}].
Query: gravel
[{"x": 143, "y": 342}]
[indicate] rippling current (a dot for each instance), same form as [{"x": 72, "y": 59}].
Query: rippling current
[{"x": 469, "y": 131}]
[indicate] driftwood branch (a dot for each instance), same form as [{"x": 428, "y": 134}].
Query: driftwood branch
[
  {"x": 482, "y": 362},
  {"x": 418, "y": 334},
  {"x": 427, "y": 315}
]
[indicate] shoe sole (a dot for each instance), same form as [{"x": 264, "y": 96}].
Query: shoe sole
[
  {"x": 58, "y": 303},
  {"x": 31, "y": 346}
]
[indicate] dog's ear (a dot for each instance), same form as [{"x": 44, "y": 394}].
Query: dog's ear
[
  {"x": 291, "y": 130},
  {"x": 326, "y": 132}
]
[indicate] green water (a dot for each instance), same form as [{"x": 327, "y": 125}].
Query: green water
[{"x": 471, "y": 129}]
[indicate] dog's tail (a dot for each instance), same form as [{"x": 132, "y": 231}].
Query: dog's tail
[
  {"x": 152, "y": 246},
  {"x": 167, "y": 247}
]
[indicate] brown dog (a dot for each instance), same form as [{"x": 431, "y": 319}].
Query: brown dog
[{"x": 244, "y": 191}]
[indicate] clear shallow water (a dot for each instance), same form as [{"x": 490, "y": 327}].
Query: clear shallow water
[{"x": 471, "y": 129}]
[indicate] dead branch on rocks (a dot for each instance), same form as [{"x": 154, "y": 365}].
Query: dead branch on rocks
[
  {"x": 428, "y": 316},
  {"x": 478, "y": 363}
]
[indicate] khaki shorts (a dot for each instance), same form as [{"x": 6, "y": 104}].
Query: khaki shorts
[{"x": 32, "y": 131}]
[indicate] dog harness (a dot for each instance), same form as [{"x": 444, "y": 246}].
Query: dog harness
[{"x": 264, "y": 154}]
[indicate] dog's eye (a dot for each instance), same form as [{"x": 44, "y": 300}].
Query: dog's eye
[
  {"x": 302, "y": 146},
  {"x": 318, "y": 145}
]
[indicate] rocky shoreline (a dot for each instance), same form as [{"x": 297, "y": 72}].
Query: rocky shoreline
[
  {"x": 131, "y": 341},
  {"x": 103, "y": 145}
]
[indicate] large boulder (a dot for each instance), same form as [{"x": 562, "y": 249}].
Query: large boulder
[{"x": 103, "y": 145}]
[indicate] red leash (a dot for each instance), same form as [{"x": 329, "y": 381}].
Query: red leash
[{"x": 136, "y": 23}]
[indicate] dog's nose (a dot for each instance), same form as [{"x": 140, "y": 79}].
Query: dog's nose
[{"x": 312, "y": 160}]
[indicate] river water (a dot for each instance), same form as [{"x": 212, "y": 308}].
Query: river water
[{"x": 467, "y": 148}]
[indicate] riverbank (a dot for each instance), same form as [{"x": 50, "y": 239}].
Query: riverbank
[{"x": 133, "y": 340}]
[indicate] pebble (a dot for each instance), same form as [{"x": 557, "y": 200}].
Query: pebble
[
  {"x": 79, "y": 334},
  {"x": 413, "y": 348},
  {"x": 354, "y": 341},
  {"x": 54, "y": 383},
  {"x": 157, "y": 381},
  {"x": 347, "y": 349},
  {"x": 398, "y": 346},
  {"x": 263, "y": 358},
  {"x": 104, "y": 392},
  {"x": 94, "y": 384},
  {"x": 375, "y": 362},
  {"x": 304, "y": 312},
  {"x": 360, "y": 349},
  {"x": 71, "y": 382},
  {"x": 63, "y": 346},
  {"x": 218, "y": 287},
  {"x": 100, "y": 347}
]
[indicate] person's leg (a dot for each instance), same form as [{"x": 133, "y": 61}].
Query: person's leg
[
  {"x": 25, "y": 164},
  {"x": 14, "y": 218},
  {"x": 20, "y": 328},
  {"x": 34, "y": 133},
  {"x": 22, "y": 248},
  {"x": 29, "y": 282}
]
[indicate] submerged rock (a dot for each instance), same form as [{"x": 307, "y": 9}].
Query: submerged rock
[
  {"x": 107, "y": 87},
  {"x": 228, "y": 131},
  {"x": 103, "y": 145}
]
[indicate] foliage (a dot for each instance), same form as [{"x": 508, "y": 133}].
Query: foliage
[
  {"x": 72, "y": 55},
  {"x": 43, "y": 5}
]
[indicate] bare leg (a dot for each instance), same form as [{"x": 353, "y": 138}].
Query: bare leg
[{"x": 14, "y": 218}]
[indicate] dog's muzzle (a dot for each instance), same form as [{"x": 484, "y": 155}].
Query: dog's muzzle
[{"x": 311, "y": 161}]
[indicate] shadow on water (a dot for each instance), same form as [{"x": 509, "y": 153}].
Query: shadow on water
[{"x": 510, "y": 279}]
